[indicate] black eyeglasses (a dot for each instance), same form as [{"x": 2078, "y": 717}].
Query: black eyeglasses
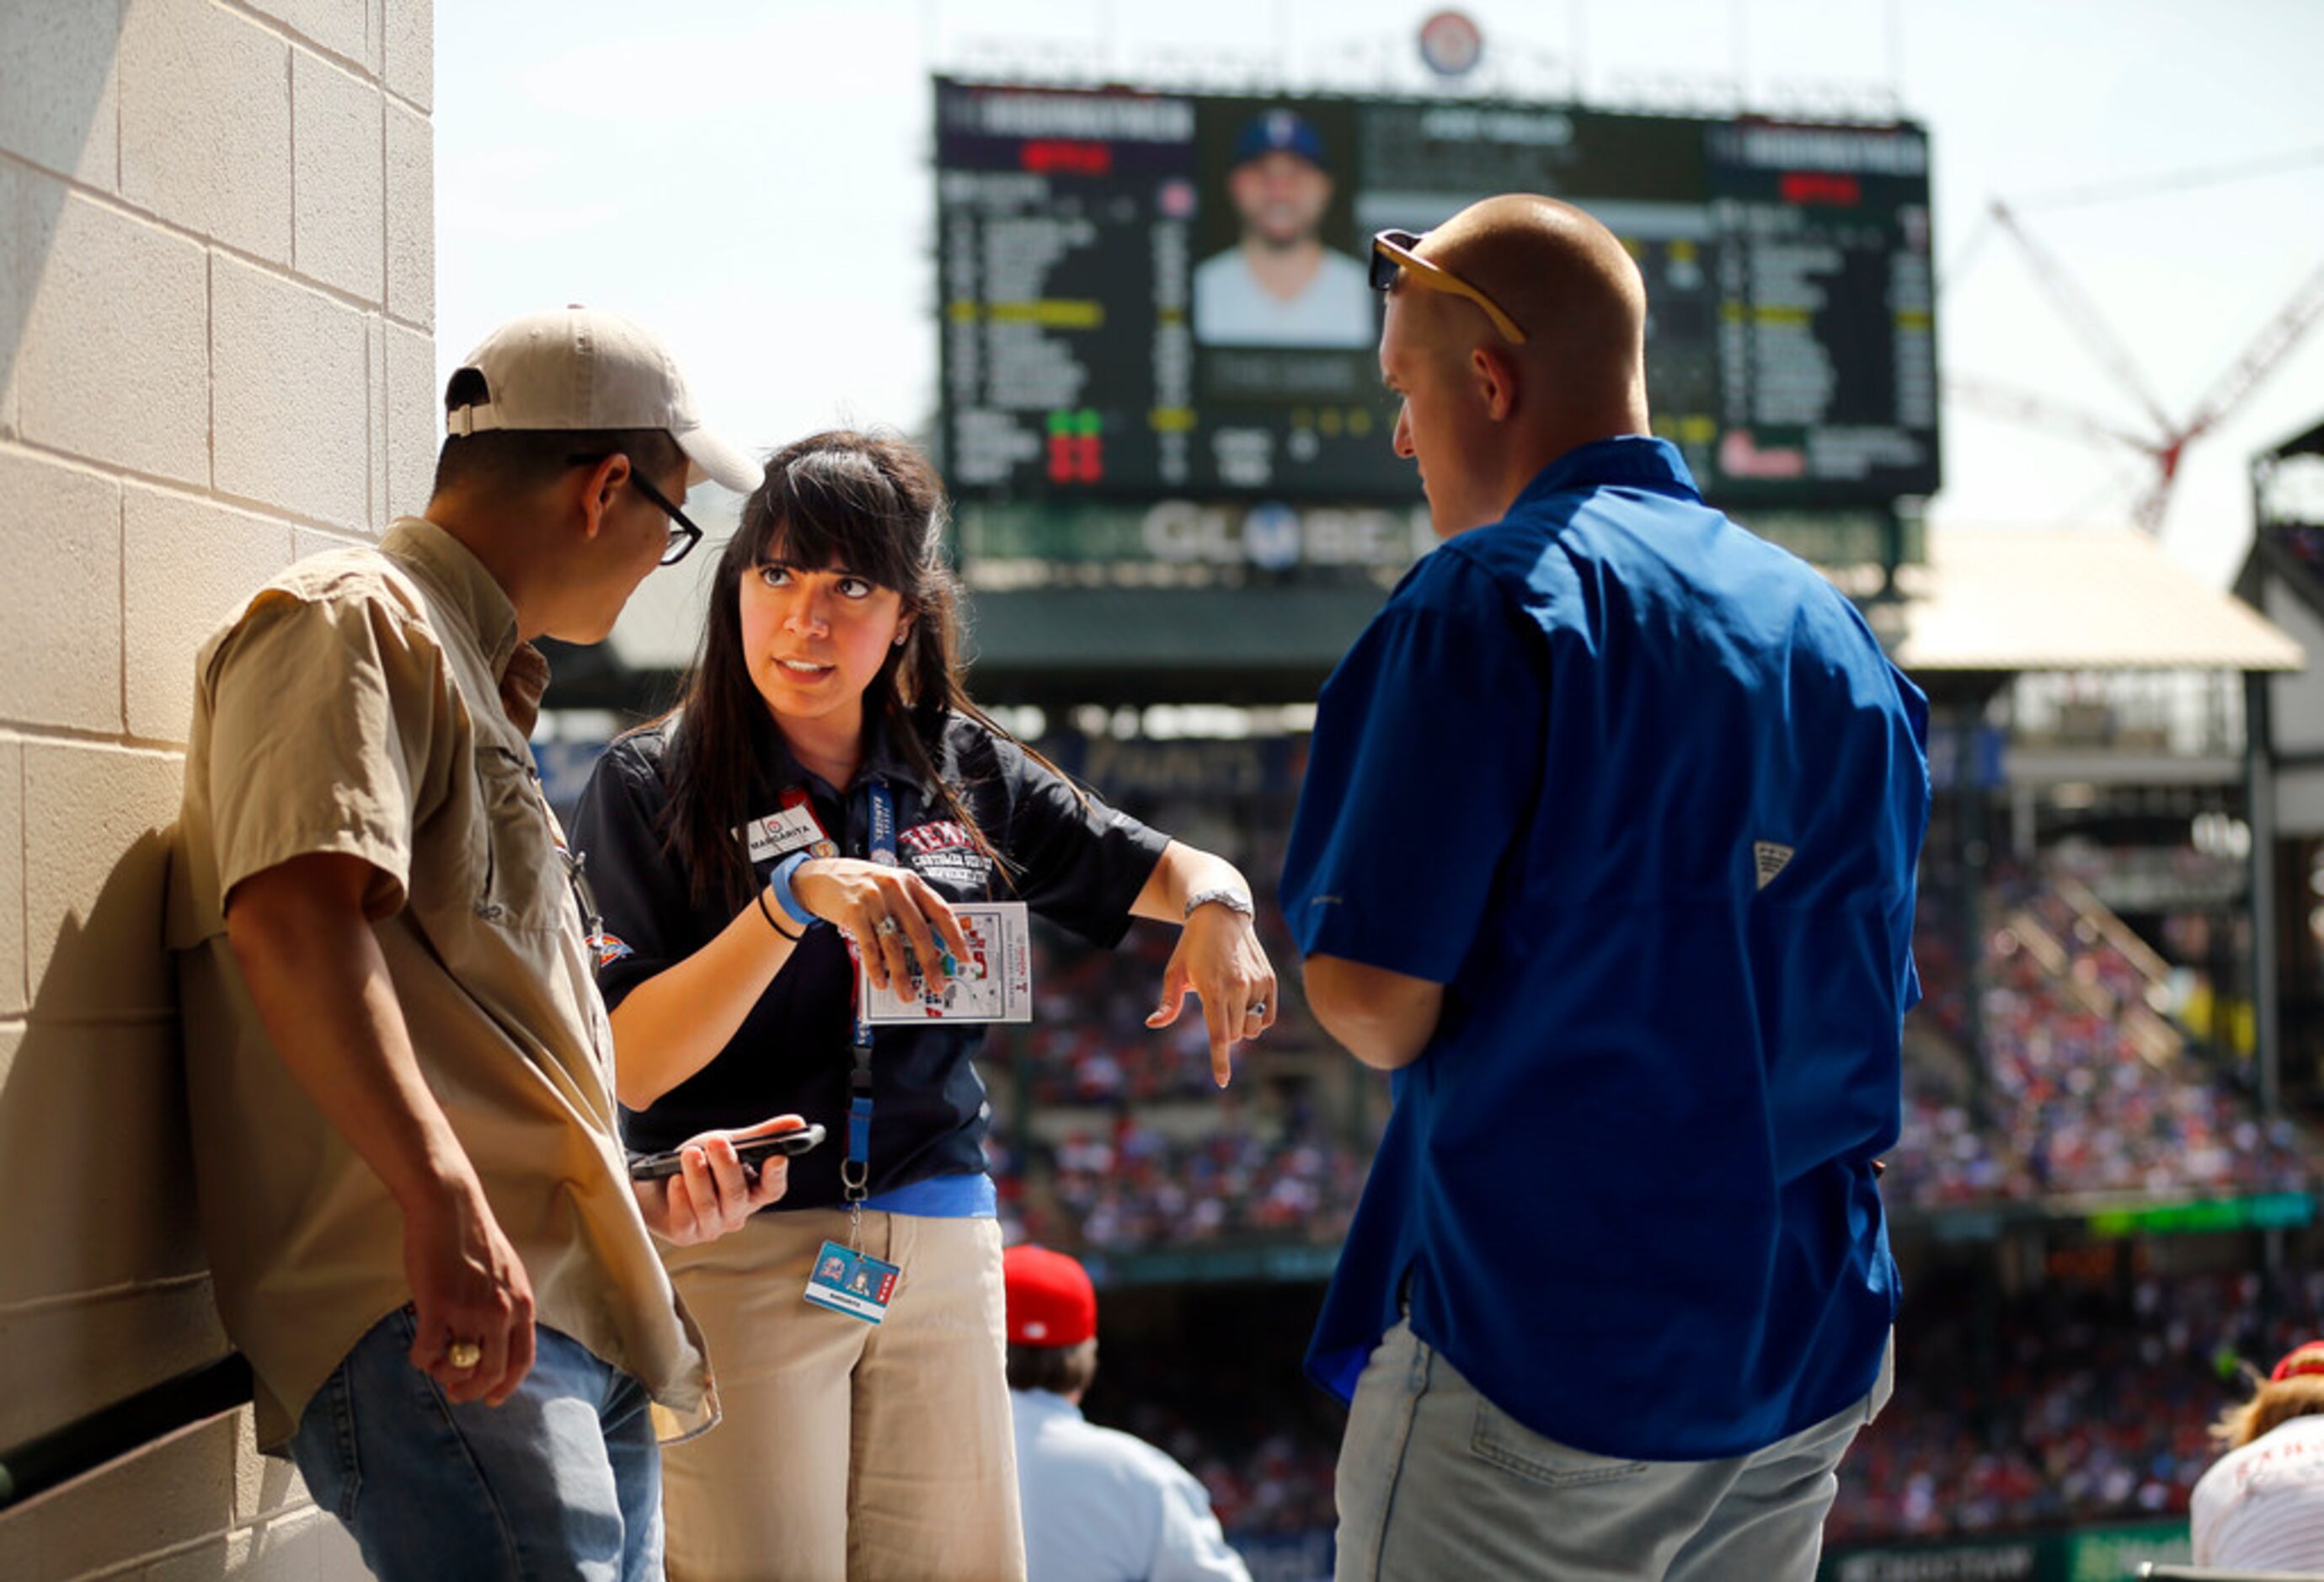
[{"x": 683, "y": 534}]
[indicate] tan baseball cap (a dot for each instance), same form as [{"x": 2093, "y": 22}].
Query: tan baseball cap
[{"x": 582, "y": 368}]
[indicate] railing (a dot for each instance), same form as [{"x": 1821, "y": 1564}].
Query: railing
[{"x": 86, "y": 1445}]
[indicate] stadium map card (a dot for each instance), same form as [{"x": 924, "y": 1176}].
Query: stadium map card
[{"x": 994, "y": 984}]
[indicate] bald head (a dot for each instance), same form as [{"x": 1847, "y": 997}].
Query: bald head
[
  {"x": 1571, "y": 286},
  {"x": 1496, "y": 412}
]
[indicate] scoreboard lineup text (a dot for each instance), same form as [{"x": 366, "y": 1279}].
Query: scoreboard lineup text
[{"x": 1790, "y": 346}]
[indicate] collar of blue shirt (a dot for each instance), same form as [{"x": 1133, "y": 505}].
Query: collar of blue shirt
[{"x": 1638, "y": 460}]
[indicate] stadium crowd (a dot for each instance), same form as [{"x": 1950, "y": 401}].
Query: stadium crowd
[
  {"x": 2083, "y": 1090},
  {"x": 1132, "y": 1186},
  {"x": 2089, "y": 1399},
  {"x": 2075, "y": 1403},
  {"x": 2099, "y": 1402},
  {"x": 1127, "y": 1145},
  {"x": 2086, "y": 1090}
]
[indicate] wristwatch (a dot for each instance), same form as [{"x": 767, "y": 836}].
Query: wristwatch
[{"x": 1232, "y": 899}]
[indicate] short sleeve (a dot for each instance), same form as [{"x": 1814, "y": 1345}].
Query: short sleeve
[
  {"x": 640, "y": 890},
  {"x": 1078, "y": 863},
  {"x": 1424, "y": 764},
  {"x": 324, "y": 717}
]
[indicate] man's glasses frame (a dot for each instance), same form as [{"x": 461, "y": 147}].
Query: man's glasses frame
[
  {"x": 1393, "y": 254},
  {"x": 683, "y": 534}
]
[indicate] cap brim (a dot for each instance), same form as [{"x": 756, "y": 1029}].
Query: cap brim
[{"x": 714, "y": 459}]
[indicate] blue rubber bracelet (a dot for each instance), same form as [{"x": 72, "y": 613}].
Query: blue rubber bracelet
[{"x": 784, "y": 897}]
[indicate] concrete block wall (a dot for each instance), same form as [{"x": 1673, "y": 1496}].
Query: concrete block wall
[{"x": 217, "y": 354}]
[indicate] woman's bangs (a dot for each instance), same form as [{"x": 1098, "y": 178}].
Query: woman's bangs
[{"x": 815, "y": 529}]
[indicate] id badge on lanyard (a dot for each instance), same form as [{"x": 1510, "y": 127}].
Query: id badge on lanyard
[{"x": 848, "y": 1280}]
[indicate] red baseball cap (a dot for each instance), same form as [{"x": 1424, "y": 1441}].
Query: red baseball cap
[
  {"x": 2299, "y": 1360},
  {"x": 1051, "y": 1301}
]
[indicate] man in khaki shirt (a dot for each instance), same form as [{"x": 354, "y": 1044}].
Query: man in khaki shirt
[{"x": 420, "y": 1221}]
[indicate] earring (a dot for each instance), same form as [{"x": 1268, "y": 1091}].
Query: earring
[{"x": 901, "y": 636}]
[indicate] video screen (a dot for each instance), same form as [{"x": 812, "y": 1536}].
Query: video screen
[{"x": 1165, "y": 294}]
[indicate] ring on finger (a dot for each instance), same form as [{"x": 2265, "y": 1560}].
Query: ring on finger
[
  {"x": 464, "y": 1355},
  {"x": 1255, "y": 1008},
  {"x": 885, "y": 926}
]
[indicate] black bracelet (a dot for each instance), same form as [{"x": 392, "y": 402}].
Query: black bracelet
[{"x": 767, "y": 913}]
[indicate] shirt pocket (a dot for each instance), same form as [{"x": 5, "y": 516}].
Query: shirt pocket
[{"x": 524, "y": 882}]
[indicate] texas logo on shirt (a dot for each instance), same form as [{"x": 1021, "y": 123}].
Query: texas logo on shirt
[{"x": 943, "y": 851}]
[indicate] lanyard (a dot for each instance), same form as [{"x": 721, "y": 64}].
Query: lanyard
[{"x": 855, "y": 1171}]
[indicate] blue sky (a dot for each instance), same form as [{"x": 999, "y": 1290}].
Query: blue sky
[{"x": 750, "y": 180}]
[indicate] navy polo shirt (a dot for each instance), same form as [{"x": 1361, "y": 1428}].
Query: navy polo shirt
[
  {"x": 1072, "y": 859},
  {"x": 1643, "y": 793}
]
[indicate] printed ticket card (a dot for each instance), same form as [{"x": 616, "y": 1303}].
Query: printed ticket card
[{"x": 994, "y": 984}]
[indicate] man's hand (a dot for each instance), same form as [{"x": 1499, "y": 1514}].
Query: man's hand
[
  {"x": 1219, "y": 958},
  {"x": 302, "y": 933},
  {"x": 711, "y": 1195},
  {"x": 468, "y": 1288}
]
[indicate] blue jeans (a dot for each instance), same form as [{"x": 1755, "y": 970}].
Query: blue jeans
[
  {"x": 561, "y": 1480},
  {"x": 1436, "y": 1481}
]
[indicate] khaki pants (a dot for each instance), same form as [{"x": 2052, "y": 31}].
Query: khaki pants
[{"x": 848, "y": 1450}]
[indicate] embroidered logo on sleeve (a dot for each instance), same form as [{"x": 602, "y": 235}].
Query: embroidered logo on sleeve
[
  {"x": 1769, "y": 859},
  {"x": 610, "y": 948}
]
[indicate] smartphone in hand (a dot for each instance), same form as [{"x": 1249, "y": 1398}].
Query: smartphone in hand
[{"x": 654, "y": 1167}]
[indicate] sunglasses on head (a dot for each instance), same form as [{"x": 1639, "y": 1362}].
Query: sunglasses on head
[{"x": 1392, "y": 257}]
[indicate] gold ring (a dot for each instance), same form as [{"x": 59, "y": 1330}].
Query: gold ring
[{"x": 464, "y": 1355}]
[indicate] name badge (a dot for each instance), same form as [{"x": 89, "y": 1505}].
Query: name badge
[
  {"x": 777, "y": 835},
  {"x": 852, "y": 1283}
]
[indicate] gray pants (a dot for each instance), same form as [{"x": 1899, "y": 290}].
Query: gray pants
[{"x": 1436, "y": 1481}]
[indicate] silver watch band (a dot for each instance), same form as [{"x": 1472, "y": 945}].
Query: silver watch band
[{"x": 1232, "y": 899}]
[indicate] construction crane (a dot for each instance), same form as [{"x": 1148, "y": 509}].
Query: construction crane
[{"x": 2165, "y": 445}]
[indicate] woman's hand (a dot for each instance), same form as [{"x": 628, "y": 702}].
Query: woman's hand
[
  {"x": 712, "y": 1194},
  {"x": 1219, "y": 958},
  {"x": 882, "y": 908}
]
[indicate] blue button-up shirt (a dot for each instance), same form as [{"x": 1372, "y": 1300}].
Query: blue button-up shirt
[{"x": 1643, "y": 793}]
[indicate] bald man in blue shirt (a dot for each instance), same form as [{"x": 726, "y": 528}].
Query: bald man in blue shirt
[{"x": 1607, "y": 850}]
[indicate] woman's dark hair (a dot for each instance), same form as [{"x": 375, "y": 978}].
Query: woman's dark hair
[{"x": 872, "y": 505}]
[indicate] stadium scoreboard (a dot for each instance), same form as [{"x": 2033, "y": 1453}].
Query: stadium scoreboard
[{"x": 1156, "y": 295}]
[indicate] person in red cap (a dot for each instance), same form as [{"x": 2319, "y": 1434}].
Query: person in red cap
[
  {"x": 2260, "y": 1506},
  {"x": 1100, "y": 1505}
]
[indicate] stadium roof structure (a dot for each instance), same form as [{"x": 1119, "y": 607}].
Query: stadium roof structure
[
  {"x": 1986, "y": 604},
  {"x": 1993, "y": 601}
]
